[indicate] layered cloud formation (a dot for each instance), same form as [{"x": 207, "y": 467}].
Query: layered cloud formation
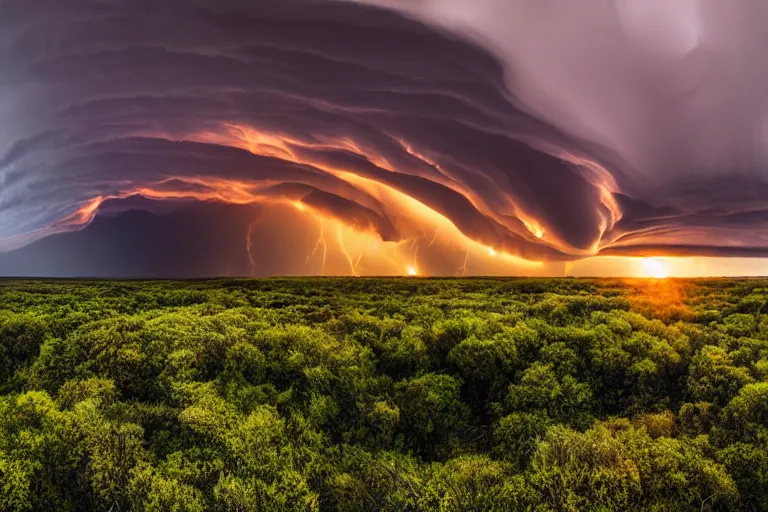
[{"x": 542, "y": 130}]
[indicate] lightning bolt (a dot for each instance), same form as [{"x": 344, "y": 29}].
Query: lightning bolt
[
  {"x": 251, "y": 259},
  {"x": 320, "y": 241},
  {"x": 431, "y": 242},
  {"x": 463, "y": 267},
  {"x": 344, "y": 250}
]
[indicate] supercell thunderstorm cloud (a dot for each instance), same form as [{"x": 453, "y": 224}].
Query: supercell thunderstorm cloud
[{"x": 391, "y": 137}]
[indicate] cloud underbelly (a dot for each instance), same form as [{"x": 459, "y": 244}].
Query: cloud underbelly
[{"x": 382, "y": 123}]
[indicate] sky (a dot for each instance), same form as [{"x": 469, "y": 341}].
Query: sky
[{"x": 197, "y": 138}]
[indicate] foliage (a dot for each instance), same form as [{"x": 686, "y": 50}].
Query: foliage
[{"x": 392, "y": 395}]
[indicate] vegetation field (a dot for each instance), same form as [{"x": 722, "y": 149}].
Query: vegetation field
[{"x": 384, "y": 395}]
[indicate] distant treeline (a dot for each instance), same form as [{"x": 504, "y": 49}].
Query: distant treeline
[{"x": 384, "y": 395}]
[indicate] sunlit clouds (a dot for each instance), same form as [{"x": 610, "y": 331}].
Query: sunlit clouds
[{"x": 399, "y": 138}]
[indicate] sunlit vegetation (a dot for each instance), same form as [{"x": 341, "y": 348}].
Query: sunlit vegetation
[{"x": 392, "y": 395}]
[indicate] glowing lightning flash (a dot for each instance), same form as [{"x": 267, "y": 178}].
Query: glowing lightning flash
[
  {"x": 431, "y": 242},
  {"x": 463, "y": 268},
  {"x": 251, "y": 259},
  {"x": 352, "y": 265},
  {"x": 320, "y": 241}
]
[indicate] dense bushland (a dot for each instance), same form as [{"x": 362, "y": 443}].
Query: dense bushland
[{"x": 400, "y": 394}]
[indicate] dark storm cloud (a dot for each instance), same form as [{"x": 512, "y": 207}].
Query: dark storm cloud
[
  {"x": 154, "y": 239},
  {"x": 670, "y": 96},
  {"x": 108, "y": 98}
]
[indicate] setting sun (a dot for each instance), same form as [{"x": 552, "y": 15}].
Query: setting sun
[{"x": 653, "y": 268}]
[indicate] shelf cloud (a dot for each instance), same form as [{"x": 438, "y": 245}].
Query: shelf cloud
[{"x": 547, "y": 131}]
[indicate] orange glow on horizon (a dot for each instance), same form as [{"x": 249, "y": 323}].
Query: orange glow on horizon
[
  {"x": 364, "y": 253},
  {"x": 653, "y": 268}
]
